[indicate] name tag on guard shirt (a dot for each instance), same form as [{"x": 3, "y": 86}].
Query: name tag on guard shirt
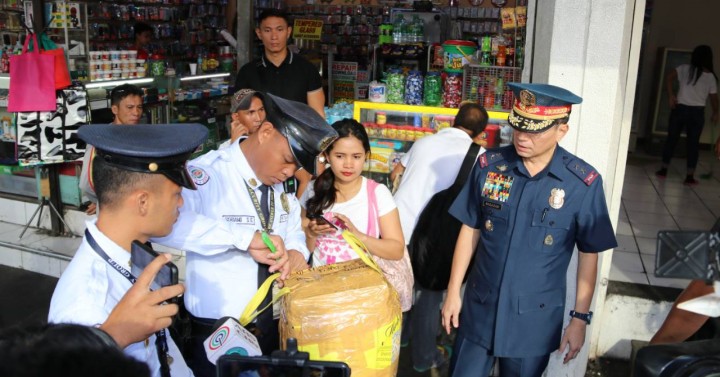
[
  {"x": 240, "y": 219},
  {"x": 497, "y": 186}
]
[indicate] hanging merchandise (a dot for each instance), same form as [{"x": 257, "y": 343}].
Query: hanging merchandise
[
  {"x": 433, "y": 89},
  {"x": 452, "y": 93},
  {"x": 33, "y": 78},
  {"x": 414, "y": 88},
  {"x": 51, "y": 136},
  {"x": 48, "y": 47},
  {"x": 395, "y": 86}
]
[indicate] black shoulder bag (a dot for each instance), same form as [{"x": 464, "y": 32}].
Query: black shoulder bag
[{"x": 432, "y": 243}]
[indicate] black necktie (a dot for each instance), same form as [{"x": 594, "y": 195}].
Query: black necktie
[{"x": 264, "y": 320}]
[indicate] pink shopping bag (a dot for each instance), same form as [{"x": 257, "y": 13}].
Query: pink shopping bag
[{"x": 32, "y": 80}]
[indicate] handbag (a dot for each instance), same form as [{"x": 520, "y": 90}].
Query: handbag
[
  {"x": 32, "y": 80},
  {"x": 339, "y": 312},
  {"x": 432, "y": 243},
  {"x": 398, "y": 272},
  {"x": 62, "y": 74}
]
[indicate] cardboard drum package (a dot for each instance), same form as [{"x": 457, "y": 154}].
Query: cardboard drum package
[{"x": 344, "y": 312}]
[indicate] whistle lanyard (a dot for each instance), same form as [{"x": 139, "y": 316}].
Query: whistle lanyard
[
  {"x": 266, "y": 225},
  {"x": 161, "y": 338}
]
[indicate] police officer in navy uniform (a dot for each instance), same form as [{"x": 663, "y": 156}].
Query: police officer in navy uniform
[{"x": 524, "y": 209}]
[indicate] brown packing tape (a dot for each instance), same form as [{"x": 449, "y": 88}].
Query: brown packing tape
[{"x": 344, "y": 312}]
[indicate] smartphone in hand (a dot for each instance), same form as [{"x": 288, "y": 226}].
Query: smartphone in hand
[
  {"x": 320, "y": 220},
  {"x": 141, "y": 255}
]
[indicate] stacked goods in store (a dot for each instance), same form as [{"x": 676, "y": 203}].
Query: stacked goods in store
[{"x": 116, "y": 65}]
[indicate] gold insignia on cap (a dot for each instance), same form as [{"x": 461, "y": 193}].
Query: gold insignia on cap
[
  {"x": 502, "y": 167},
  {"x": 557, "y": 198},
  {"x": 548, "y": 240},
  {"x": 252, "y": 182},
  {"x": 325, "y": 142},
  {"x": 285, "y": 203},
  {"x": 152, "y": 166},
  {"x": 527, "y": 98},
  {"x": 488, "y": 225}
]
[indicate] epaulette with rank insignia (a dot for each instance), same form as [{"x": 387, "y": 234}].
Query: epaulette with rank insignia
[
  {"x": 490, "y": 157},
  {"x": 583, "y": 170}
]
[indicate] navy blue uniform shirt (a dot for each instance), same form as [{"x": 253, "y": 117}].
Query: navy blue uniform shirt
[{"x": 515, "y": 296}]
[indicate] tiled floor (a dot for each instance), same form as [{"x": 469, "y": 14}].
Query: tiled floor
[{"x": 651, "y": 204}]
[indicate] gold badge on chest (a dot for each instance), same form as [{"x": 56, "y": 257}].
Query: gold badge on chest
[
  {"x": 549, "y": 240},
  {"x": 489, "y": 225},
  {"x": 557, "y": 198},
  {"x": 284, "y": 202}
]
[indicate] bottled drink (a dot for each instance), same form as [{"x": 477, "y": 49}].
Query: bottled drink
[
  {"x": 418, "y": 29},
  {"x": 499, "y": 89},
  {"x": 398, "y": 29}
]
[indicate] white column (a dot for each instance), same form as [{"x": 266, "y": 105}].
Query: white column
[{"x": 585, "y": 47}]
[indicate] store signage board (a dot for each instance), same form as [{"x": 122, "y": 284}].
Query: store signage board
[
  {"x": 307, "y": 29},
  {"x": 344, "y": 76}
]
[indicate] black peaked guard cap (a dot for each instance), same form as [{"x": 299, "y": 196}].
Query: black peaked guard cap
[
  {"x": 155, "y": 149},
  {"x": 307, "y": 132}
]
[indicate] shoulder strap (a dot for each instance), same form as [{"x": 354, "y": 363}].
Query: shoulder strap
[
  {"x": 372, "y": 208},
  {"x": 466, "y": 167}
]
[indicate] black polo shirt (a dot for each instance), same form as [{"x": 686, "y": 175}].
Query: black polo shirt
[{"x": 292, "y": 80}]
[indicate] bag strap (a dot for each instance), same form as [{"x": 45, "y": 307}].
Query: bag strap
[
  {"x": 253, "y": 309},
  {"x": 372, "y": 228},
  {"x": 27, "y": 42},
  {"x": 465, "y": 168}
]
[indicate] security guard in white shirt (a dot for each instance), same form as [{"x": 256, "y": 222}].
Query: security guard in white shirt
[
  {"x": 138, "y": 175},
  {"x": 240, "y": 193}
]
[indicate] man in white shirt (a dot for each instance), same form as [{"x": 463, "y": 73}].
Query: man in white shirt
[
  {"x": 431, "y": 165},
  {"x": 138, "y": 175},
  {"x": 240, "y": 196}
]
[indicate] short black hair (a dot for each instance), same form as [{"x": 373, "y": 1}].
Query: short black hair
[
  {"x": 471, "y": 117},
  {"x": 121, "y": 91},
  {"x": 63, "y": 350},
  {"x": 267, "y": 13},
  {"x": 142, "y": 27},
  {"x": 111, "y": 183}
]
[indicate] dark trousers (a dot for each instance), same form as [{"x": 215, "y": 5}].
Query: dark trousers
[
  {"x": 202, "y": 328},
  {"x": 473, "y": 360},
  {"x": 424, "y": 326},
  {"x": 692, "y": 118}
]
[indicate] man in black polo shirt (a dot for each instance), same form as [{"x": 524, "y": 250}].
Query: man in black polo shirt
[{"x": 279, "y": 71}]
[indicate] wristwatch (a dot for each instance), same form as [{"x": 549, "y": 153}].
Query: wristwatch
[{"x": 584, "y": 316}]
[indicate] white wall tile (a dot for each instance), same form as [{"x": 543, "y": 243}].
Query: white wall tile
[
  {"x": 10, "y": 257},
  {"x": 36, "y": 263},
  {"x": 13, "y": 211}
]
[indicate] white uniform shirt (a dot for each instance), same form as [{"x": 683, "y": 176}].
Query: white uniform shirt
[
  {"x": 694, "y": 94},
  {"x": 431, "y": 165},
  {"x": 90, "y": 288},
  {"x": 215, "y": 226}
]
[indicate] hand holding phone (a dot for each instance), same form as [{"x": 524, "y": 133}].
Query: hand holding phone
[
  {"x": 140, "y": 312},
  {"x": 141, "y": 256}
]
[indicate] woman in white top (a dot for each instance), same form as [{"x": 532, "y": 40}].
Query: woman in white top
[
  {"x": 697, "y": 81},
  {"x": 340, "y": 196}
]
